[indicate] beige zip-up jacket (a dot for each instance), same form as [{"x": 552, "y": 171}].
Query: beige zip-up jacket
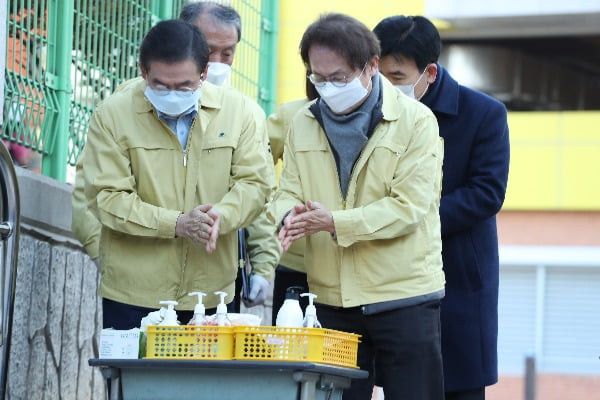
[
  {"x": 140, "y": 179},
  {"x": 278, "y": 125},
  {"x": 387, "y": 245}
]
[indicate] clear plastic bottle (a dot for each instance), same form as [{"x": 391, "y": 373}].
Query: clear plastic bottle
[{"x": 170, "y": 318}]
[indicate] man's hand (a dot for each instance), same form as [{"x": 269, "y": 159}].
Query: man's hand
[
  {"x": 304, "y": 220},
  {"x": 211, "y": 244},
  {"x": 259, "y": 287},
  {"x": 196, "y": 224}
]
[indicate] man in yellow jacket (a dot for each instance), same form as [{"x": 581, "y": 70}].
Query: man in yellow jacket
[
  {"x": 222, "y": 28},
  {"x": 361, "y": 181},
  {"x": 171, "y": 176}
]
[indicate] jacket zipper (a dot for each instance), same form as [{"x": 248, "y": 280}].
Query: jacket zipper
[{"x": 185, "y": 247}]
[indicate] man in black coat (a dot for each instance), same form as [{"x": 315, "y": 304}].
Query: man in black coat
[{"x": 475, "y": 174}]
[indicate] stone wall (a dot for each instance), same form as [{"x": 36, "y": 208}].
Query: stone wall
[{"x": 57, "y": 315}]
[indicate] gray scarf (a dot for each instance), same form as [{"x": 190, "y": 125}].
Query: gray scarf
[{"x": 348, "y": 133}]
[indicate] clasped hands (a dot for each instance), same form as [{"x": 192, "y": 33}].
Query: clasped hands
[
  {"x": 304, "y": 220},
  {"x": 201, "y": 225}
]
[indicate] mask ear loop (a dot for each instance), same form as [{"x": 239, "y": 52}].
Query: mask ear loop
[{"x": 426, "y": 87}]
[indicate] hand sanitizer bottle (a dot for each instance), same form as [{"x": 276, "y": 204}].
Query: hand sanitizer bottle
[
  {"x": 170, "y": 318},
  {"x": 199, "y": 317},
  {"x": 222, "y": 319},
  {"x": 290, "y": 313},
  {"x": 310, "y": 315}
]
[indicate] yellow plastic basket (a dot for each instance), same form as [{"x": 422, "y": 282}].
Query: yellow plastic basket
[
  {"x": 190, "y": 342},
  {"x": 269, "y": 343}
]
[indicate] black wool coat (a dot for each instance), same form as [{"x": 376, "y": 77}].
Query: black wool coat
[{"x": 475, "y": 173}]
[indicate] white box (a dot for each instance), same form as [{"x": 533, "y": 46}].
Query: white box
[{"x": 119, "y": 344}]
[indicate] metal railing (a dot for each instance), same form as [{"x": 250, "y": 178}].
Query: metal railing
[{"x": 9, "y": 243}]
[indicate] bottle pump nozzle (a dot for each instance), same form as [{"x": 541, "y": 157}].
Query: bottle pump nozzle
[
  {"x": 199, "y": 308},
  {"x": 170, "y": 318},
  {"x": 222, "y": 311},
  {"x": 310, "y": 315}
]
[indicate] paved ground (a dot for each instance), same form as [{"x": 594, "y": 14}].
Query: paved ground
[{"x": 549, "y": 387}]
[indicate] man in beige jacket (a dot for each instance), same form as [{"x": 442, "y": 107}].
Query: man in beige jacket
[
  {"x": 361, "y": 181},
  {"x": 171, "y": 177}
]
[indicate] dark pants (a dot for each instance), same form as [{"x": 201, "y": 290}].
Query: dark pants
[
  {"x": 125, "y": 316},
  {"x": 473, "y": 394},
  {"x": 237, "y": 295},
  {"x": 284, "y": 278},
  {"x": 407, "y": 344}
]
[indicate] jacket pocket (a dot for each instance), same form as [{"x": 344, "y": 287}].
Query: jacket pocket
[{"x": 461, "y": 264}]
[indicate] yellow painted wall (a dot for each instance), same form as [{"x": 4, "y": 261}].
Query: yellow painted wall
[
  {"x": 296, "y": 15},
  {"x": 555, "y": 157},
  {"x": 555, "y": 161}
]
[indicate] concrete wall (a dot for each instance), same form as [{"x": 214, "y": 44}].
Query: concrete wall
[{"x": 57, "y": 316}]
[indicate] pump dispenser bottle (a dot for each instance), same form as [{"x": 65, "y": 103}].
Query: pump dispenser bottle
[
  {"x": 310, "y": 316},
  {"x": 290, "y": 313},
  {"x": 199, "y": 317},
  {"x": 222, "y": 319},
  {"x": 170, "y": 318}
]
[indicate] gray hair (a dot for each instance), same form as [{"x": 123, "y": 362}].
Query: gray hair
[{"x": 219, "y": 13}]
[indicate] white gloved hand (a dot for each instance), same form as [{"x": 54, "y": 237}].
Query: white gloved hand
[{"x": 259, "y": 287}]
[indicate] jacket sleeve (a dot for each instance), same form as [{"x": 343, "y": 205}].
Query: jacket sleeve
[
  {"x": 482, "y": 193},
  {"x": 277, "y": 126},
  {"x": 252, "y": 174},
  {"x": 264, "y": 249},
  {"x": 415, "y": 188},
  {"x": 289, "y": 192},
  {"x": 85, "y": 226},
  {"x": 110, "y": 187}
]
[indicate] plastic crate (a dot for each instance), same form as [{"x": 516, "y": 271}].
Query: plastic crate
[
  {"x": 190, "y": 342},
  {"x": 269, "y": 343}
]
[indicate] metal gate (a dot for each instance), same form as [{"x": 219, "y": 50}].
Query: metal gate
[{"x": 64, "y": 57}]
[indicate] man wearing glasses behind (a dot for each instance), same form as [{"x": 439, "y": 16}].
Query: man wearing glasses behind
[{"x": 171, "y": 176}]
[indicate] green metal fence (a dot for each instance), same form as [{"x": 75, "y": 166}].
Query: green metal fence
[{"x": 64, "y": 57}]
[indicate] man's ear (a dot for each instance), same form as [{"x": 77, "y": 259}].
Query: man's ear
[
  {"x": 432, "y": 71},
  {"x": 374, "y": 65},
  {"x": 143, "y": 71},
  {"x": 204, "y": 73}
]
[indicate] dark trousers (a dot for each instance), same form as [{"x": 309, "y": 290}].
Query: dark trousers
[
  {"x": 125, "y": 316},
  {"x": 407, "y": 344},
  {"x": 284, "y": 278},
  {"x": 473, "y": 394}
]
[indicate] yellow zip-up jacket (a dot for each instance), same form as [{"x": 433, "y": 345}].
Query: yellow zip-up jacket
[
  {"x": 138, "y": 180},
  {"x": 387, "y": 245},
  {"x": 263, "y": 246},
  {"x": 278, "y": 125}
]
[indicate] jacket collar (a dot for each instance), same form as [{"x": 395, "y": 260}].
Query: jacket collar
[
  {"x": 211, "y": 97},
  {"x": 442, "y": 95}
]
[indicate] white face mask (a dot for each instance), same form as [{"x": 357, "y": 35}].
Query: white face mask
[
  {"x": 174, "y": 102},
  {"x": 218, "y": 73},
  {"x": 340, "y": 99},
  {"x": 409, "y": 90}
]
